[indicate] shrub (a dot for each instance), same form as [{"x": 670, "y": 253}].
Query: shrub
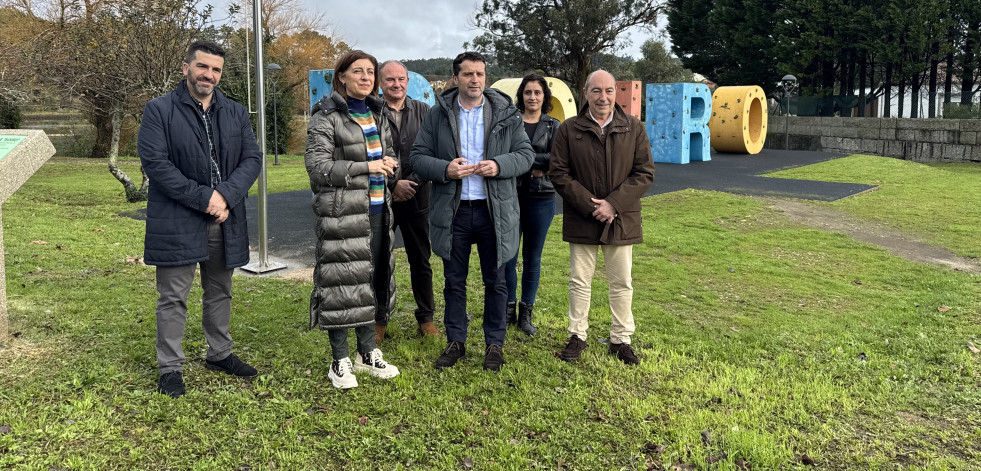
[
  {"x": 10, "y": 116},
  {"x": 962, "y": 110}
]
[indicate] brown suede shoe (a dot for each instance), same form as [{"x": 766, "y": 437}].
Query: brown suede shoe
[
  {"x": 380, "y": 333},
  {"x": 573, "y": 350},
  {"x": 624, "y": 353},
  {"x": 429, "y": 329}
]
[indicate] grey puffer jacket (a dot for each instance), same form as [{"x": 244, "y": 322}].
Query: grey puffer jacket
[
  {"x": 505, "y": 142},
  {"x": 336, "y": 161}
]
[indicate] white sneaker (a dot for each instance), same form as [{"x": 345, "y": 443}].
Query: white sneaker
[
  {"x": 341, "y": 374},
  {"x": 373, "y": 363}
]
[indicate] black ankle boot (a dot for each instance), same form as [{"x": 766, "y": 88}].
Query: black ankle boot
[
  {"x": 512, "y": 317},
  {"x": 524, "y": 319}
]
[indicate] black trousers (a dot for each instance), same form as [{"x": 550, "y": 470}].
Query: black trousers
[
  {"x": 418, "y": 249},
  {"x": 473, "y": 225}
]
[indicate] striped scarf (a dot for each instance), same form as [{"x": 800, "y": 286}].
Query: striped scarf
[{"x": 363, "y": 116}]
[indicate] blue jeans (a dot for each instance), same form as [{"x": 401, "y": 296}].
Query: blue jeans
[
  {"x": 536, "y": 217},
  {"x": 473, "y": 225}
]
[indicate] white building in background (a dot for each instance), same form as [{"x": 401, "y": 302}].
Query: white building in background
[{"x": 923, "y": 104}]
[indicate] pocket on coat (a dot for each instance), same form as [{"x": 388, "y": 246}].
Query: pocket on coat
[{"x": 630, "y": 224}]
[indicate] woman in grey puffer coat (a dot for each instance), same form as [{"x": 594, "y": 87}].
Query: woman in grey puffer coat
[{"x": 349, "y": 158}]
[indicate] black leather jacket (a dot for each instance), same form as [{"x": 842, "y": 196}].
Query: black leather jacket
[{"x": 541, "y": 142}]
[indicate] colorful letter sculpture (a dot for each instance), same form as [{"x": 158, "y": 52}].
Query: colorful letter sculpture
[
  {"x": 628, "y": 97},
  {"x": 418, "y": 89},
  {"x": 319, "y": 84},
  {"x": 738, "y": 121},
  {"x": 563, "y": 105},
  {"x": 677, "y": 122}
]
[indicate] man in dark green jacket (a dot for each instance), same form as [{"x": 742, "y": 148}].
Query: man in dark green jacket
[{"x": 472, "y": 146}]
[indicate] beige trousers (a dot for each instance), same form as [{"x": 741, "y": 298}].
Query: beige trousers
[{"x": 618, "y": 260}]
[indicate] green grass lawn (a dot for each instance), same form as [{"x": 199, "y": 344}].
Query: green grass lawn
[
  {"x": 760, "y": 342},
  {"x": 937, "y": 203},
  {"x": 289, "y": 175}
]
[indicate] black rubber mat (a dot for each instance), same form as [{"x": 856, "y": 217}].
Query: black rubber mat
[{"x": 290, "y": 219}]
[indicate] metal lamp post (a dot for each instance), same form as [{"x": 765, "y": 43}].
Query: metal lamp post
[
  {"x": 789, "y": 85},
  {"x": 262, "y": 265},
  {"x": 274, "y": 67}
]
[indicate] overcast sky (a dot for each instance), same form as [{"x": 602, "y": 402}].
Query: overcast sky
[{"x": 412, "y": 29}]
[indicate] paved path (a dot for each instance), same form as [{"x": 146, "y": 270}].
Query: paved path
[{"x": 290, "y": 217}]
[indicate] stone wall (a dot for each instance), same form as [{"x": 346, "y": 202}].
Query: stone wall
[{"x": 921, "y": 140}]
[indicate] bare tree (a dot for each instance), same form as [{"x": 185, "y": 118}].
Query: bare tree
[
  {"x": 113, "y": 56},
  {"x": 282, "y": 17}
]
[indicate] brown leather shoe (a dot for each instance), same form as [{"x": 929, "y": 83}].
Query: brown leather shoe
[
  {"x": 573, "y": 350},
  {"x": 624, "y": 353},
  {"x": 429, "y": 329},
  {"x": 380, "y": 333}
]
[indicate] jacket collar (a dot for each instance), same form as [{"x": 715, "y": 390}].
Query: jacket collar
[
  {"x": 619, "y": 124},
  {"x": 185, "y": 96},
  {"x": 498, "y": 102},
  {"x": 336, "y": 102}
]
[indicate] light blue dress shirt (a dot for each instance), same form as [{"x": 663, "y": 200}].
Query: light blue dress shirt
[{"x": 472, "y": 147}]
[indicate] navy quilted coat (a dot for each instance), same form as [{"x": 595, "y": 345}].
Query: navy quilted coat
[{"x": 173, "y": 147}]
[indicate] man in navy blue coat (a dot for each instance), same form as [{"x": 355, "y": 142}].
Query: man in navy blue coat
[{"x": 201, "y": 156}]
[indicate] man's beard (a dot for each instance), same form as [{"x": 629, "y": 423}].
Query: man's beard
[{"x": 198, "y": 88}]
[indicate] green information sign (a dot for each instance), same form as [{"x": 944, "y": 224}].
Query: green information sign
[{"x": 8, "y": 142}]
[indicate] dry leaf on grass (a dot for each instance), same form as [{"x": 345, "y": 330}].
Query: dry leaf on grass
[
  {"x": 943, "y": 308},
  {"x": 135, "y": 260},
  {"x": 972, "y": 348},
  {"x": 38, "y": 242}
]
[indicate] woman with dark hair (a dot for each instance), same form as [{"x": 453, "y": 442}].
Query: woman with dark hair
[
  {"x": 350, "y": 160},
  {"x": 536, "y": 197}
]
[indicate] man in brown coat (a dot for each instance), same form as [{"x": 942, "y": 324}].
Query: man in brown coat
[{"x": 601, "y": 166}]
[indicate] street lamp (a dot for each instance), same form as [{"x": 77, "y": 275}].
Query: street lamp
[
  {"x": 789, "y": 85},
  {"x": 274, "y": 67}
]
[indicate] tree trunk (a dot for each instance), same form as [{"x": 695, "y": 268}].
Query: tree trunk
[
  {"x": 861, "y": 85},
  {"x": 828, "y": 77},
  {"x": 901, "y": 108},
  {"x": 133, "y": 194},
  {"x": 842, "y": 72},
  {"x": 934, "y": 65},
  {"x": 102, "y": 120},
  {"x": 145, "y": 184},
  {"x": 914, "y": 96},
  {"x": 967, "y": 72},
  {"x": 875, "y": 111},
  {"x": 887, "y": 92},
  {"x": 948, "y": 77}
]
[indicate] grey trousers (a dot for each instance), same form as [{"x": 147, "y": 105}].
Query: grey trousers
[
  {"x": 338, "y": 341},
  {"x": 173, "y": 286}
]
